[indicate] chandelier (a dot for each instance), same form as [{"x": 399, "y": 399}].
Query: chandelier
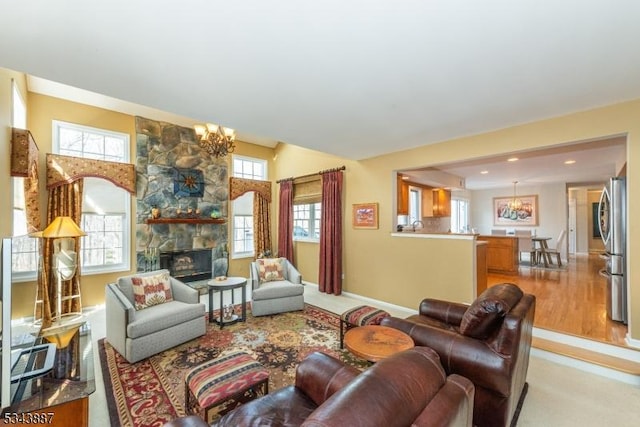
[
  {"x": 216, "y": 140},
  {"x": 515, "y": 204}
]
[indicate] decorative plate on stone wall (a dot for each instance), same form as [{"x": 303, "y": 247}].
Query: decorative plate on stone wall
[{"x": 188, "y": 183}]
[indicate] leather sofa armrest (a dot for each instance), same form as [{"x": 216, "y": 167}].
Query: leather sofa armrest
[
  {"x": 452, "y": 406},
  {"x": 485, "y": 367},
  {"x": 119, "y": 312},
  {"x": 183, "y": 292},
  {"x": 319, "y": 376},
  {"x": 445, "y": 311}
]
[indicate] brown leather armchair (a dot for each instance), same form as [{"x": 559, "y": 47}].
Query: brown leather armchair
[
  {"x": 408, "y": 388},
  {"x": 487, "y": 342}
]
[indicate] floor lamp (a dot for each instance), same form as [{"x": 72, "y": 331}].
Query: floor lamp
[{"x": 63, "y": 230}]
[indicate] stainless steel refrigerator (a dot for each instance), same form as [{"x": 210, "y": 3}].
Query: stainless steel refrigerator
[{"x": 613, "y": 221}]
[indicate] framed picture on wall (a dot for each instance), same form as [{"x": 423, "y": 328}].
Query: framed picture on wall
[
  {"x": 523, "y": 210},
  {"x": 365, "y": 215}
]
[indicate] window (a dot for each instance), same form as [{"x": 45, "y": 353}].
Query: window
[
  {"x": 306, "y": 221},
  {"x": 460, "y": 216},
  {"x": 243, "y": 234},
  {"x": 415, "y": 204},
  {"x": 105, "y": 207},
  {"x": 249, "y": 168}
]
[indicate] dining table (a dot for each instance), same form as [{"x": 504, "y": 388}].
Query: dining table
[{"x": 541, "y": 246}]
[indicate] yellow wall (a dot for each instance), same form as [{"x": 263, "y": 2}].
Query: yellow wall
[
  {"x": 6, "y": 114},
  {"x": 6, "y": 183},
  {"x": 240, "y": 266},
  {"x": 376, "y": 265},
  {"x": 402, "y": 271},
  {"x": 41, "y": 111}
]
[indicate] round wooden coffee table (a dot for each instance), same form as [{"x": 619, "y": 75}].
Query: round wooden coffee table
[{"x": 375, "y": 342}]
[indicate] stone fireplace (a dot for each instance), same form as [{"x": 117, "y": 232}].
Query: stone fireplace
[{"x": 164, "y": 152}]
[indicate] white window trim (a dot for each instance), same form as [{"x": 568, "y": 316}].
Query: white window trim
[
  {"x": 242, "y": 255},
  {"x": 125, "y": 265},
  {"x": 57, "y": 124},
  {"x": 251, "y": 159},
  {"x": 309, "y": 239}
]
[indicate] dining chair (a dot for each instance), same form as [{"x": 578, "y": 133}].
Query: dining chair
[
  {"x": 557, "y": 251},
  {"x": 525, "y": 244}
]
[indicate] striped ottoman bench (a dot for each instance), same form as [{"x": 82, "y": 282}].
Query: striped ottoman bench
[
  {"x": 360, "y": 316},
  {"x": 224, "y": 382}
]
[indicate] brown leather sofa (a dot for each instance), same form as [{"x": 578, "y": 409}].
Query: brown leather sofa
[
  {"x": 408, "y": 388},
  {"x": 487, "y": 342}
]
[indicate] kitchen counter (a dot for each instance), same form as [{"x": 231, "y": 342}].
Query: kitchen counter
[
  {"x": 480, "y": 252},
  {"x": 502, "y": 254},
  {"x": 430, "y": 235}
]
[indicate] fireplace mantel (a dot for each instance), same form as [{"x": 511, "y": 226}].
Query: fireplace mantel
[{"x": 186, "y": 220}]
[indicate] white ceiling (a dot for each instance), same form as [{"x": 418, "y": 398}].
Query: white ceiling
[
  {"x": 593, "y": 163},
  {"x": 352, "y": 78}
]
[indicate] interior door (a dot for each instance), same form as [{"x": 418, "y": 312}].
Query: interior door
[{"x": 572, "y": 226}]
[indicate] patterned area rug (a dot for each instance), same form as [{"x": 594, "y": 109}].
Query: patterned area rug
[{"x": 151, "y": 392}]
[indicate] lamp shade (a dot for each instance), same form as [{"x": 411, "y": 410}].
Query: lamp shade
[{"x": 62, "y": 226}]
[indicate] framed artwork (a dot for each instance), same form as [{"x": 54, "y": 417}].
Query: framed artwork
[
  {"x": 365, "y": 215},
  {"x": 188, "y": 183},
  {"x": 525, "y": 211}
]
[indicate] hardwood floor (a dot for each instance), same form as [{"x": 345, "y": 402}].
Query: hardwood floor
[{"x": 570, "y": 301}]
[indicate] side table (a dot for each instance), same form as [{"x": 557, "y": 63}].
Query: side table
[
  {"x": 229, "y": 284},
  {"x": 375, "y": 342}
]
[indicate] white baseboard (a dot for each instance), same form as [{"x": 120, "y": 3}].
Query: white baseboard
[{"x": 373, "y": 302}]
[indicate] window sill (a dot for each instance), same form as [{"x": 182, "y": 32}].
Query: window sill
[
  {"x": 242, "y": 256},
  {"x": 306, "y": 240}
]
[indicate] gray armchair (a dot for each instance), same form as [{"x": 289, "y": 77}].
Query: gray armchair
[
  {"x": 276, "y": 296},
  {"x": 138, "y": 334}
]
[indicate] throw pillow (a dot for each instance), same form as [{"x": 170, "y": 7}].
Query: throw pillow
[
  {"x": 270, "y": 269},
  {"x": 151, "y": 290},
  {"x": 481, "y": 318}
]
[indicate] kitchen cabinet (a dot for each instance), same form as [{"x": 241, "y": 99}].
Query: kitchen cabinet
[
  {"x": 481, "y": 266},
  {"x": 502, "y": 254},
  {"x": 403, "y": 196},
  {"x": 436, "y": 202}
]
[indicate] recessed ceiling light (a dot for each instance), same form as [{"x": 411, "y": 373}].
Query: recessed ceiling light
[
  {"x": 512, "y": 159},
  {"x": 569, "y": 162},
  {"x": 484, "y": 172},
  {"x": 405, "y": 177}
]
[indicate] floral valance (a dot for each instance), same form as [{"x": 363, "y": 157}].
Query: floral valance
[
  {"x": 239, "y": 186},
  {"x": 24, "y": 152},
  {"x": 66, "y": 169}
]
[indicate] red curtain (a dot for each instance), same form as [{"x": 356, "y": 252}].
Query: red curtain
[
  {"x": 330, "y": 280},
  {"x": 285, "y": 221}
]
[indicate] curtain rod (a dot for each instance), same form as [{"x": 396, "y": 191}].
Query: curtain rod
[{"x": 341, "y": 168}]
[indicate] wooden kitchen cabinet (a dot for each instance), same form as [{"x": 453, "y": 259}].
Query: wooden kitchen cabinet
[
  {"x": 481, "y": 267},
  {"x": 441, "y": 202},
  {"x": 436, "y": 202},
  {"x": 403, "y": 196},
  {"x": 502, "y": 254}
]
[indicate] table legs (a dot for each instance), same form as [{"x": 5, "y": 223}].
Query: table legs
[{"x": 220, "y": 320}]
